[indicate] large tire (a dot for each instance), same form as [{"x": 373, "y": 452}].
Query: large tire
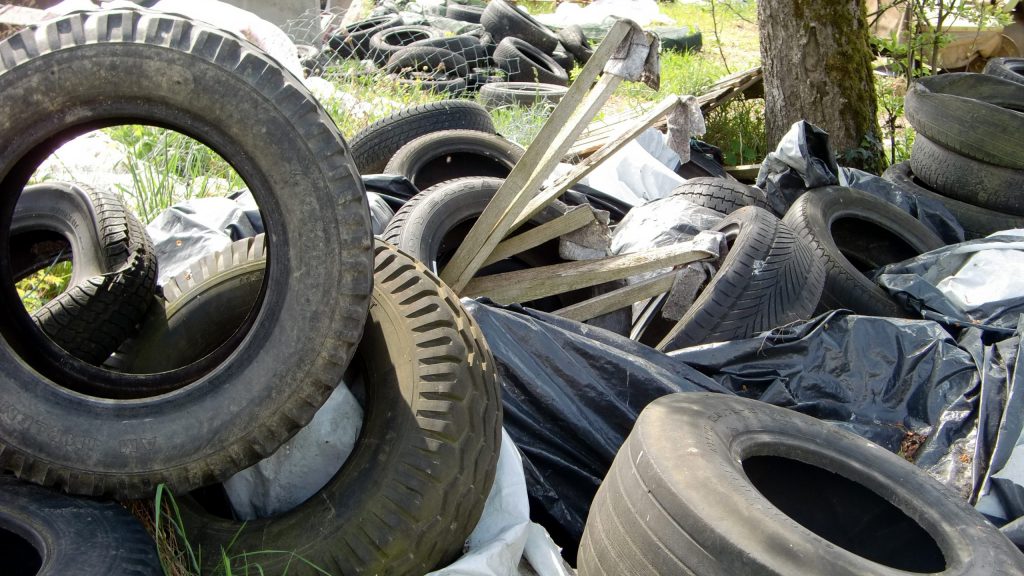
[
  {"x": 113, "y": 265},
  {"x": 1011, "y": 69},
  {"x": 161, "y": 69},
  {"x": 716, "y": 485},
  {"x": 47, "y": 533},
  {"x": 415, "y": 484},
  {"x": 451, "y": 154},
  {"x": 387, "y": 42},
  {"x": 769, "y": 278},
  {"x": 432, "y": 225},
  {"x": 374, "y": 145},
  {"x": 720, "y": 194},
  {"x": 968, "y": 180},
  {"x": 852, "y": 233},
  {"x": 503, "y": 20},
  {"x": 976, "y": 222},
  {"x": 525, "y": 63},
  {"x": 974, "y": 115},
  {"x": 679, "y": 39},
  {"x": 353, "y": 40},
  {"x": 464, "y": 12},
  {"x": 498, "y": 94}
]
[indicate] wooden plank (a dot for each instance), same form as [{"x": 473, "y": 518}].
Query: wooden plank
[
  {"x": 560, "y": 130},
  {"x": 577, "y": 217},
  {"x": 581, "y": 170},
  {"x": 616, "y": 299},
  {"x": 527, "y": 285}
]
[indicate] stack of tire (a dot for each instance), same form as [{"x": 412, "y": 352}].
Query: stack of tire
[
  {"x": 818, "y": 257},
  {"x": 234, "y": 356},
  {"x": 509, "y": 56},
  {"x": 969, "y": 146}
]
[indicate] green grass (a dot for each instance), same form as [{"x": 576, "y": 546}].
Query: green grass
[{"x": 43, "y": 286}]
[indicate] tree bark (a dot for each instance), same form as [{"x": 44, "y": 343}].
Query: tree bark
[{"x": 817, "y": 67}]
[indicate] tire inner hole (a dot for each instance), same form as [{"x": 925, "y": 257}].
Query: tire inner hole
[
  {"x": 20, "y": 557},
  {"x": 868, "y": 246},
  {"x": 457, "y": 165},
  {"x": 845, "y": 513}
]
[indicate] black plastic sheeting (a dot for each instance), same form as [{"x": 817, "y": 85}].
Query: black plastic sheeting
[{"x": 571, "y": 393}]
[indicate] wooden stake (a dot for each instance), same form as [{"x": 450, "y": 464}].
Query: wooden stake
[
  {"x": 616, "y": 299},
  {"x": 577, "y": 217}
]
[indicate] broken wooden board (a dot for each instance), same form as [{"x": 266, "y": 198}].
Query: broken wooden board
[
  {"x": 617, "y": 299},
  {"x": 577, "y": 217}
]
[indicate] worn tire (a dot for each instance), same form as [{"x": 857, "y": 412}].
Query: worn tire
[
  {"x": 722, "y": 195},
  {"x": 428, "y": 60},
  {"x": 575, "y": 42},
  {"x": 1011, "y": 69},
  {"x": 264, "y": 122},
  {"x": 432, "y": 225},
  {"x": 498, "y": 94},
  {"x": 503, "y": 20},
  {"x": 976, "y": 222},
  {"x": 525, "y": 63},
  {"x": 469, "y": 47},
  {"x": 113, "y": 274},
  {"x": 464, "y": 12},
  {"x": 974, "y": 115},
  {"x": 47, "y": 533},
  {"x": 852, "y": 233},
  {"x": 414, "y": 487},
  {"x": 715, "y": 485},
  {"x": 374, "y": 145},
  {"x": 353, "y": 40},
  {"x": 451, "y": 154},
  {"x": 768, "y": 278},
  {"x": 437, "y": 83},
  {"x": 968, "y": 180},
  {"x": 387, "y": 42}
]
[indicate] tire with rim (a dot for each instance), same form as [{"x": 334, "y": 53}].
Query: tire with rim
[
  {"x": 64, "y": 421},
  {"x": 414, "y": 486},
  {"x": 113, "y": 266},
  {"x": 353, "y": 40},
  {"x": 720, "y": 194},
  {"x": 47, "y": 533},
  {"x": 712, "y": 485},
  {"x": 976, "y": 222},
  {"x": 451, "y": 154},
  {"x": 853, "y": 233},
  {"x": 974, "y": 115},
  {"x": 968, "y": 180},
  {"x": 498, "y": 94},
  {"x": 1011, "y": 69},
  {"x": 431, "y": 226},
  {"x": 503, "y": 20},
  {"x": 387, "y": 42},
  {"x": 374, "y": 145},
  {"x": 575, "y": 42},
  {"x": 525, "y": 63},
  {"x": 768, "y": 278}
]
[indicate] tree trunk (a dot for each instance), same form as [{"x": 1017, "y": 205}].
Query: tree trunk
[{"x": 817, "y": 67}]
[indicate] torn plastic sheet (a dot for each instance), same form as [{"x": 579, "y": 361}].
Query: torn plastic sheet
[
  {"x": 572, "y": 392},
  {"x": 642, "y": 170}
]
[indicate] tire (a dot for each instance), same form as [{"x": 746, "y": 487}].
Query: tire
[
  {"x": 976, "y": 222},
  {"x": 714, "y": 485},
  {"x": 113, "y": 275},
  {"x": 415, "y": 484},
  {"x": 431, "y": 226},
  {"x": 503, "y": 20},
  {"x": 974, "y": 115},
  {"x": 451, "y": 154},
  {"x": 575, "y": 42},
  {"x": 428, "y": 60},
  {"x": 263, "y": 121},
  {"x": 722, "y": 195},
  {"x": 353, "y": 40},
  {"x": 1011, "y": 69},
  {"x": 852, "y": 233},
  {"x": 464, "y": 12},
  {"x": 374, "y": 145},
  {"x": 563, "y": 58},
  {"x": 466, "y": 46},
  {"x": 436, "y": 83},
  {"x": 679, "y": 39},
  {"x": 386, "y": 43},
  {"x": 524, "y": 63},
  {"x": 478, "y": 77},
  {"x": 962, "y": 178},
  {"x": 498, "y": 94},
  {"x": 769, "y": 278},
  {"x": 48, "y": 533}
]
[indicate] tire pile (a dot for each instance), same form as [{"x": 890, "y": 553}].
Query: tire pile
[
  {"x": 115, "y": 387},
  {"x": 506, "y": 55},
  {"x": 969, "y": 150}
]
